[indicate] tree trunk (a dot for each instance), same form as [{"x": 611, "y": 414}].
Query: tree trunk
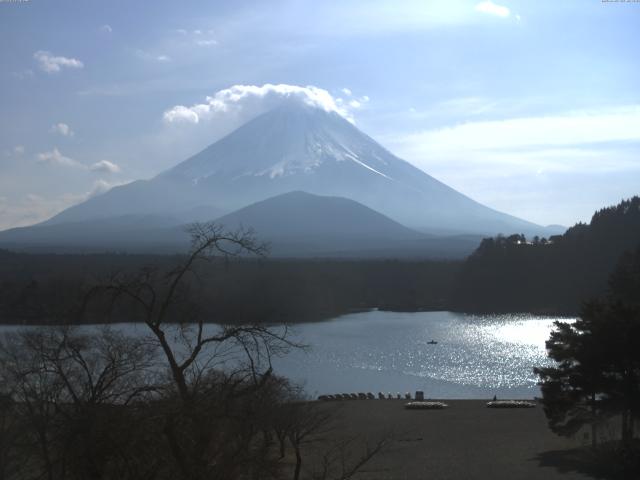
[
  {"x": 266, "y": 439},
  {"x": 625, "y": 428},
  {"x": 282, "y": 450},
  {"x": 296, "y": 474},
  {"x": 46, "y": 456},
  {"x": 281, "y": 441},
  {"x": 175, "y": 448},
  {"x": 594, "y": 439}
]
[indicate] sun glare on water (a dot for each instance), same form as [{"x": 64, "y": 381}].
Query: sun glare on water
[{"x": 524, "y": 332}]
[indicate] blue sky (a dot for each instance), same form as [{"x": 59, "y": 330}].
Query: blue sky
[{"x": 530, "y": 107}]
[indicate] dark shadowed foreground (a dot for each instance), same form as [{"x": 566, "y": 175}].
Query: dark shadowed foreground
[{"x": 465, "y": 441}]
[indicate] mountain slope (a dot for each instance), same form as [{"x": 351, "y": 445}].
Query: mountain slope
[
  {"x": 299, "y": 223},
  {"x": 303, "y": 215},
  {"x": 301, "y": 148}
]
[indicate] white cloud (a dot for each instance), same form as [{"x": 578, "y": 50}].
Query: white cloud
[
  {"x": 24, "y": 211},
  {"x": 184, "y": 31},
  {"x": 354, "y": 103},
  {"x": 463, "y": 106},
  {"x": 52, "y": 64},
  {"x": 105, "y": 166},
  {"x": 18, "y": 150},
  {"x": 580, "y": 142},
  {"x": 548, "y": 156},
  {"x": 162, "y": 58},
  {"x": 180, "y": 113},
  {"x": 206, "y": 43},
  {"x": 571, "y": 128},
  {"x": 101, "y": 186},
  {"x": 54, "y": 157},
  {"x": 491, "y": 8},
  {"x": 98, "y": 187},
  {"x": 367, "y": 17},
  {"x": 62, "y": 129},
  {"x": 346, "y": 91},
  {"x": 251, "y": 100},
  {"x": 34, "y": 208},
  {"x": 200, "y": 38},
  {"x": 23, "y": 75},
  {"x": 106, "y": 29}
]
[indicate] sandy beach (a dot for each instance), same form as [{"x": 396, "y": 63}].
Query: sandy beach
[{"x": 465, "y": 441}]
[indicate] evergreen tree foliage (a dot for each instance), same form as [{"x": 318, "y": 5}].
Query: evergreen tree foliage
[{"x": 597, "y": 371}]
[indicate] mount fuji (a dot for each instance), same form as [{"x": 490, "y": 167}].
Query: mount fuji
[{"x": 293, "y": 148}]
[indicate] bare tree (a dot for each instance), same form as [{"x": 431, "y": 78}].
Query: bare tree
[
  {"x": 307, "y": 422},
  {"x": 338, "y": 462},
  {"x": 211, "y": 366},
  {"x": 69, "y": 393},
  {"x": 190, "y": 399},
  {"x": 163, "y": 300},
  {"x": 9, "y": 432}
]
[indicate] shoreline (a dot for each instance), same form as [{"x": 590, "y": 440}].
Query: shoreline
[{"x": 328, "y": 318}]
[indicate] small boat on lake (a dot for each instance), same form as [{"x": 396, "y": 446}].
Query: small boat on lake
[{"x": 432, "y": 342}]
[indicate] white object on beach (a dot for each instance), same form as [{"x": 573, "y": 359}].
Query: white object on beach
[
  {"x": 425, "y": 405},
  {"x": 510, "y": 404}
]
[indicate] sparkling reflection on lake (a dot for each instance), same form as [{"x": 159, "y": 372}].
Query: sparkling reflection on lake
[{"x": 477, "y": 356}]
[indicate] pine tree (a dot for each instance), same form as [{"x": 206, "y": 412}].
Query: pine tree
[{"x": 597, "y": 371}]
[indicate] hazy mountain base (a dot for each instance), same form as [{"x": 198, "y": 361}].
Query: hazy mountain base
[{"x": 295, "y": 224}]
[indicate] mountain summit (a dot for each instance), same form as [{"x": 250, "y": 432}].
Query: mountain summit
[{"x": 300, "y": 148}]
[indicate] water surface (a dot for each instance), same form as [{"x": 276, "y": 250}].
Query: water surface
[{"x": 474, "y": 357}]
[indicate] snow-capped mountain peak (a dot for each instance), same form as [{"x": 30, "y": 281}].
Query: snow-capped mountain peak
[
  {"x": 297, "y": 147},
  {"x": 290, "y": 140}
]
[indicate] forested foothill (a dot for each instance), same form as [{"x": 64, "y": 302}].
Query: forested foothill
[{"x": 548, "y": 276}]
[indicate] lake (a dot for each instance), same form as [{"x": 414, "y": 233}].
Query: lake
[{"x": 476, "y": 356}]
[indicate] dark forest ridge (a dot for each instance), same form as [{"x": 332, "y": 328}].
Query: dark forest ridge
[{"x": 549, "y": 275}]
